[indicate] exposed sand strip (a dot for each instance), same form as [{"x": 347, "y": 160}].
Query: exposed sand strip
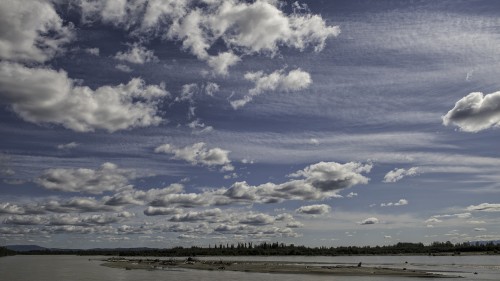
[{"x": 268, "y": 267}]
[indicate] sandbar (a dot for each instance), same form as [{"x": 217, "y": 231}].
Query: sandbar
[{"x": 268, "y": 267}]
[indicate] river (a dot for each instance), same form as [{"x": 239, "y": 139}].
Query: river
[{"x": 65, "y": 268}]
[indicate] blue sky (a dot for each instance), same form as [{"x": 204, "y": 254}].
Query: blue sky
[{"x": 166, "y": 123}]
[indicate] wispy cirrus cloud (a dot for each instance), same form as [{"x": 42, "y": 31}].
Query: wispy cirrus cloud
[
  {"x": 69, "y": 145},
  {"x": 448, "y": 218},
  {"x": 398, "y": 174},
  {"x": 484, "y": 207},
  {"x": 295, "y": 80}
]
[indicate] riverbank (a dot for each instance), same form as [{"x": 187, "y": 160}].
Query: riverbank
[{"x": 267, "y": 267}]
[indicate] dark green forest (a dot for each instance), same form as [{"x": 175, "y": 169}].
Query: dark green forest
[{"x": 267, "y": 249}]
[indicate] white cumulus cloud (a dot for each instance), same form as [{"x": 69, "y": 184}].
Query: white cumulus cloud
[
  {"x": 244, "y": 28},
  {"x": 107, "y": 178},
  {"x": 351, "y": 195},
  {"x": 159, "y": 211},
  {"x": 317, "y": 181},
  {"x": 8, "y": 208},
  {"x": 31, "y": 30},
  {"x": 401, "y": 202},
  {"x": 140, "y": 197},
  {"x": 332, "y": 176},
  {"x": 137, "y": 54},
  {"x": 193, "y": 216},
  {"x": 256, "y": 219},
  {"x": 41, "y": 95},
  {"x": 371, "y": 220},
  {"x": 123, "y": 67},
  {"x": 261, "y": 27},
  {"x": 221, "y": 63},
  {"x": 199, "y": 154},
  {"x": 475, "y": 112},
  {"x": 75, "y": 204},
  {"x": 93, "y": 51},
  {"x": 319, "y": 209}
]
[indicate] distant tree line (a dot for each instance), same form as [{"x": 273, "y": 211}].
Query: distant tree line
[
  {"x": 271, "y": 249},
  {"x": 6, "y": 252}
]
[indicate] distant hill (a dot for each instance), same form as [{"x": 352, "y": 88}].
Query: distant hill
[
  {"x": 25, "y": 248},
  {"x": 32, "y": 248}
]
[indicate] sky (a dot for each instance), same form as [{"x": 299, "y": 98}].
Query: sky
[{"x": 162, "y": 123}]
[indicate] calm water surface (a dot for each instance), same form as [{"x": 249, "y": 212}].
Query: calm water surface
[{"x": 55, "y": 268}]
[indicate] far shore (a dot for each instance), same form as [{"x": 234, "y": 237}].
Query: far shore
[{"x": 267, "y": 267}]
